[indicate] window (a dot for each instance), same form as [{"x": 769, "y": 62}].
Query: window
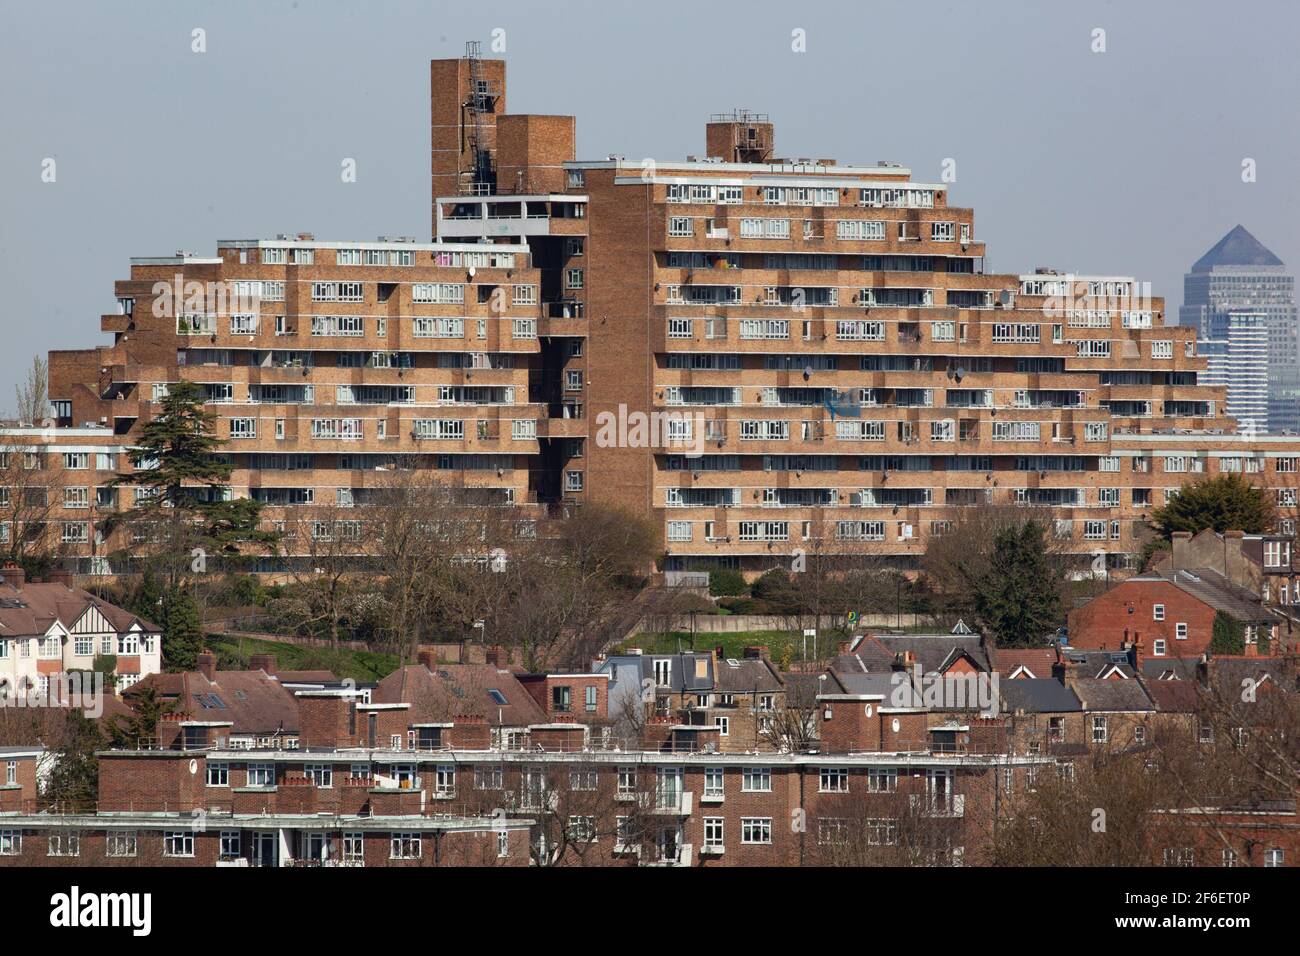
[
  {"x": 63, "y": 844},
  {"x": 713, "y": 782},
  {"x": 1158, "y": 647},
  {"x": 261, "y": 775},
  {"x": 713, "y": 833},
  {"x": 755, "y": 829},
  {"x": 834, "y": 780},
  {"x": 121, "y": 844},
  {"x": 756, "y": 780},
  {"x": 76, "y": 460},
  {"x": 178, "y": 843},
  {"x": 11, "y": 772},
  {"x": 243, "y": 428},
  {"x": 724, "y": 726},
  {"x": 941, "y": 231},
  {"x": 1274, "y": 857},
  {"x": 680, "y": 226},
  {"x": 1180, "y": 631},
  {"x": 882, "y": 780},
  {"x": 405, "y": 846},
  {"x": 11, "y": 842},
  {"x": 589, "y": 699},
  {"x": 882, "y": 832},
  {"x": 489, "y": 778},
  {"x": 626, "y": 781},
  {"x": 218, "y": 775},
  {"x": 1158, "y": 612},
  {"x": 1099, "y": 728}
]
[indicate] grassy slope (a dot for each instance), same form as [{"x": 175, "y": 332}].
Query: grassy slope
[{"x": 361, "y": 666}]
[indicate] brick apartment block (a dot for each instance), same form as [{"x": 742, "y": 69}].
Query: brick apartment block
[
  {"x": 825, "y": 335},
  {"x": 461, "y": 764}
]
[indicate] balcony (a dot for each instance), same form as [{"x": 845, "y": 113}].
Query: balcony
[
  {"x": 669, "y": 803},
  {"x": 939, "y": 804}
]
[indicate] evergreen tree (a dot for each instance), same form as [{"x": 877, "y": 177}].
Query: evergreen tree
[
  {"x": 1017, "y": 597},
  {"x": 182, "y": 631},
  {"x": 1224, "y": 503},
  {"x": 142, "y": 725},
  {"x": 74, "y": 779},
  {"x": 183, "y": 509}
]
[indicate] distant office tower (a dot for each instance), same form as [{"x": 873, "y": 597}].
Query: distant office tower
[
  {"x": 1237, "y": 348},
  {"x": 1240, "y": 276}
]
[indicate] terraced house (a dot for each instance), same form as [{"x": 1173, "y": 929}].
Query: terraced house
[{"x": 765, "y": 354}]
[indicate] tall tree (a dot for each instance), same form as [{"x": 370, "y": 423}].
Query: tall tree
[
  {"x": 1016, "y": 597},
  {"x": 33, "y": 394},
  {"x": 182, "y": 480},
  {"x": 142, "y": 725},
  {"x": 29, "y": 495},
  {"x": 182, "y": 630},
  {"x": 74, "y": 777},
  {"x": 1224, "y": 503}
]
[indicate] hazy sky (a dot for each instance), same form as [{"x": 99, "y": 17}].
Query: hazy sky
[{"x": 1127, "y": 161}]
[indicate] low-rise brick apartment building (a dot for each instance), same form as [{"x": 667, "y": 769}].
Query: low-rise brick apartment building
[
  {"x": 460, "y": 764},
  {"x": 765, "y": 354}
]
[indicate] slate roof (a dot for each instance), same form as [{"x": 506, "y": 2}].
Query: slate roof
[
  {"x": 1037, "y": 695},
  {"x": 457, "y": 690},
  {"x": 1093, "y": 664},
  {"x": 934, "y": 652},
  {"x": 1237, "y": 248},
  {"x": 1113, "y": 695},
  {"x": 746, "y": 676},
  {"x": 1215, "y": 590},
  {"x": 1166, "y": 669}
]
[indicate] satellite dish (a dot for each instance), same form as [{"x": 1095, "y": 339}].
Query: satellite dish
[
  {"x": 807, "y": 372},
  {"x": 961, "y": 372}
]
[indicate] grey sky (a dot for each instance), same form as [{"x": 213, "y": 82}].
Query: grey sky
[{"x": 1127, "y": 161}]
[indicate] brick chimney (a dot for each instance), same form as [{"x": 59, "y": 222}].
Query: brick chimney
[
  {"x": 429, "y": 659},
  {"x": 759, "y": 652},
  {"x": 1180, "y": 550},
  {"x": 263, "y": 662},
  {"x": 13, "y": 575},
  {"x": 207, "y": 664},
  {"x": 1064, "y": 670},
  {"x": 61, "y": 576}
]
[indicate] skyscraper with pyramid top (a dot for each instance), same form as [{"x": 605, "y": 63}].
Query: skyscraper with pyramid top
[{"x": 1241, "y": 300}]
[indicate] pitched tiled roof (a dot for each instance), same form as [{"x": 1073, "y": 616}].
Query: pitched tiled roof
[
  {"x": 1173, "y": 696},
  {"x": 253, "y": 702},
  {"x": 1037, "y": 660},
  {"x": 457, "y": 690},
  {"x": 30, "y": 611}
]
